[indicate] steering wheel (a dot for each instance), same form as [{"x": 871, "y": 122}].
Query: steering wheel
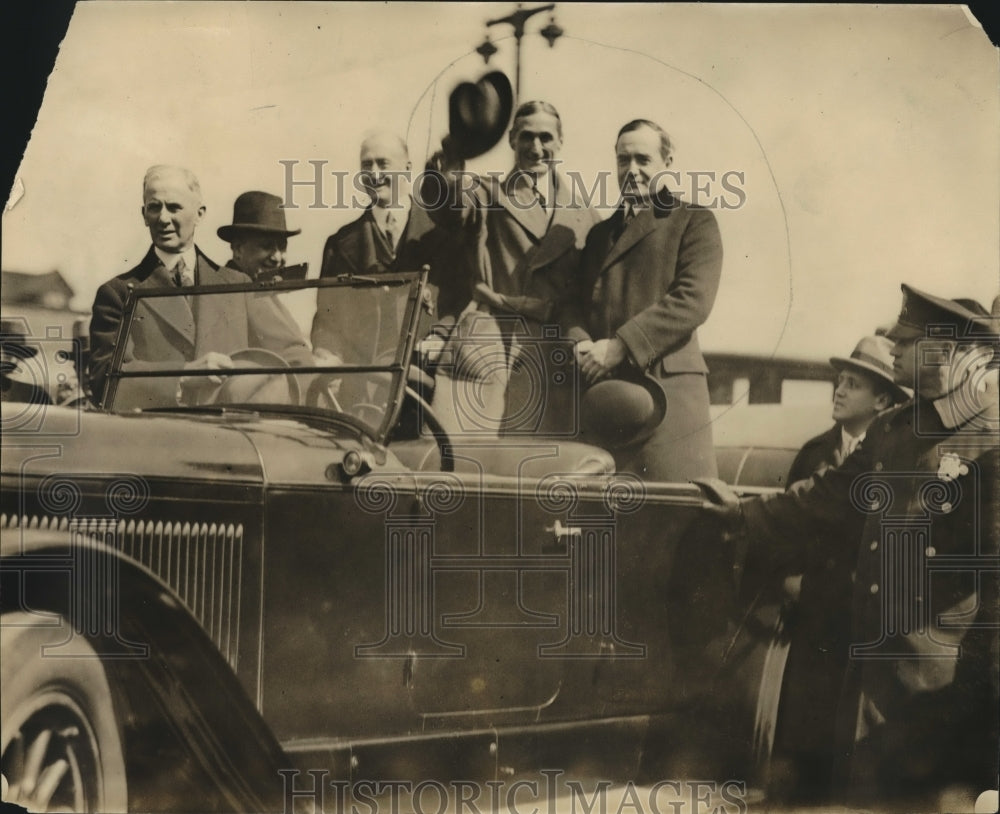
[
  {"x": 323, "y": 391},
  {"x": 419, "y": 391},
  {"x": 268, "y": 388},
  {"x": 435, "y": 426}
]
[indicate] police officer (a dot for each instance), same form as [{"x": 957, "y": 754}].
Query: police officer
[{"x": 917, "y": 505}]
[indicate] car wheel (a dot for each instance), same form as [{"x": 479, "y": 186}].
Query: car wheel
[
  {"x": 769, "y": 696},
  {"x": 60, "y": 749}
]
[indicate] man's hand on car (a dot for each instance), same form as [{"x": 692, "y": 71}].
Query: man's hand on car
[{"x": 430, "y": 349}]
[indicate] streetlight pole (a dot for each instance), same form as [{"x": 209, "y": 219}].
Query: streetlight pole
[{"x": 517, "y": 19}]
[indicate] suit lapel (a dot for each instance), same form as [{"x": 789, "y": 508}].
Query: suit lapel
[
  {"x": 562, "y": 231},
  {"x": 641, "y": 226},
  {"x": 418, "y": 224},
  {"x": 378, "y": 254},
  {"x": 173, "y": 312},
  {"x": 221, "y": 319},
  {"x": 556, "y": 242},
  {"x": 527, "y": 213}
]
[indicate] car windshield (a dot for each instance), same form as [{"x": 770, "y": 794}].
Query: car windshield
[{"x": 336, "y": 345}]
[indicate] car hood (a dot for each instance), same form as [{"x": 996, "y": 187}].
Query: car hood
[{"x": 227, "y": 446}]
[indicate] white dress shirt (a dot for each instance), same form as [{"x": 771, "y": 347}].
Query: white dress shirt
[{"x": 170, "y": 259}]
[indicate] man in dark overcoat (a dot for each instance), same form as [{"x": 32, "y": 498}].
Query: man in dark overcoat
[
  {"x": 393, "y": 233},
  {"x": 918, "y": 505},
  {"x": 523, "y": 232},
  {"x": 865, "y": 387},
  {"x": 817, "y": 621},
  {"x": 649, "y": 278}
]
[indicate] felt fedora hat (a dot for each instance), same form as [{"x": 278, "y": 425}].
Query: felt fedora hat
[
  {"x": 257, "y": 213},
  {"x": 616, "y": 413},
  {"x": 478, "y": 114},
  {"x": 872, "y": 355}
]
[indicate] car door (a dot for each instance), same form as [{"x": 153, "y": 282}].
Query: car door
[{"x": 495, "y": 599}]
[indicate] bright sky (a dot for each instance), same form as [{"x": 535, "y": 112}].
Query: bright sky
[{"x": 867, "y": 135}]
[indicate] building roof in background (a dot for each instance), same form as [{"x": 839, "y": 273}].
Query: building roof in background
[{"x": 48, "y": 290}]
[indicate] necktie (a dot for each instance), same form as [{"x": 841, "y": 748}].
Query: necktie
[
  {"x": 538, "y": 194},
  {"x": 182, "y": 277},
  {"x": 390, "y": 230},
  {"x": 847, "y": 447},
  {"x": 852, "y": 445},
  {"x": 627, "y": 217}
]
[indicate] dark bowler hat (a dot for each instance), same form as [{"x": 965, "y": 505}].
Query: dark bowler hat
[
  {"x": 966, "y": 318},
  {"x": 478, "y": 114},
  {"x": 872, "y": 355},
  {"x": 615, "y": 413},
  {"x": 258, "y": 213}
]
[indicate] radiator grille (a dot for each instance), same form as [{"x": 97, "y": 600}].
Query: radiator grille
[{"x": 201, "y": 562}]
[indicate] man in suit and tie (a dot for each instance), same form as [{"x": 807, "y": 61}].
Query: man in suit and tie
[
  {"x": 865, "y": 388},
  {"x": 393, "y": 234},
  {"x": 170, "y": 332},
  {"x": 526, "y": 231},
  {"x": 649, "y": 278}
]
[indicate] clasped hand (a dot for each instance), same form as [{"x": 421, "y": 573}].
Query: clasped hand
[{"x": 598, "y": 360}]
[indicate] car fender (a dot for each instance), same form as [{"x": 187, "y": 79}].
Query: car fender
[{"x": 166, "y": 676}]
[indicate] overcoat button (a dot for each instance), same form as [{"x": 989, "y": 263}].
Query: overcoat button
[{"x": 873, "y": 589}]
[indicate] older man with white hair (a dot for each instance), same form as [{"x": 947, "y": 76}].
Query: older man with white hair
[{"x": 167, "y": 332}]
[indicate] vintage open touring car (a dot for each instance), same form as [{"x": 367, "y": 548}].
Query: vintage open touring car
[{"x": 226, "y": 580}]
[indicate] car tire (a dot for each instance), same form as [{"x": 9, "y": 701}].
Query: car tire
[
  {"x": 768, "y": 701},
  {"x": 60, "y": 748}
]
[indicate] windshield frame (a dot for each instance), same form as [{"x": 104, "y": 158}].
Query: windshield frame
[{"x": 397, "y": 369}]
